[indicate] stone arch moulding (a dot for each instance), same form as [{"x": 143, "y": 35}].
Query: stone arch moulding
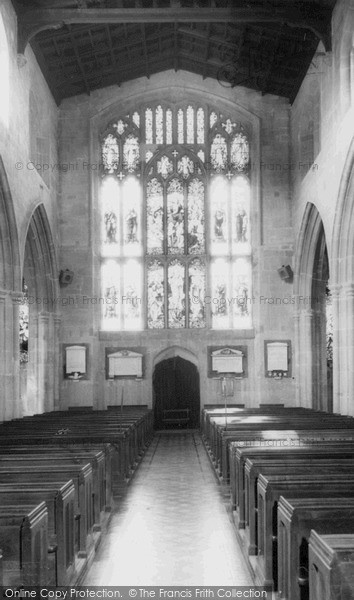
[
  {"x": 10, "y": 295},
  {"x": 176, "y": 351},
  {"x": 311, "y": 232},
  {"x": 342, "y": 263},
  {"x": 40, "y": 384}
]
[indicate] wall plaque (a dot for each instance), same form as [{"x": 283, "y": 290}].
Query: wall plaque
[
  {"x": 123, "y": 363},
  {"x": 227, "y": 360},
  {"x": 75, "y": 358},
  {"x": 277, "y": 358}
]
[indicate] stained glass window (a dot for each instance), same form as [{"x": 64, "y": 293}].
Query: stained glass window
[{"x": 153, "y": 214}]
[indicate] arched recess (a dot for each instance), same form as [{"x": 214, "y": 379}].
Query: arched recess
[
  {"x": 342, "y": 265},
  {"x": 10, "y": 295},
  {"x": 173, "y": 351},
  {"x": 312, "y": 276},
  {"x": 39, "y": 376}
]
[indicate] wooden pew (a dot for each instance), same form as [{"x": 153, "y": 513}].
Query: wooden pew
[
  {"x": 59, "y": 498},
  {"x": 331, "y": 566},
  {"x": 296, "y": 518},
  {"x": 246, "y": 517},
  {"x": 82, "y": 479},
  {"x": 270, "y": 488},
  {"x": 239, "y": 455},
  {"x": 24, "y": 540}
]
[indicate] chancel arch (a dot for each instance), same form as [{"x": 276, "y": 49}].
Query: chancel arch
[
  {"x": 40, "y": 369},
  {"x": 313, "y": 320},
  {"x": 343, "y": 290}
]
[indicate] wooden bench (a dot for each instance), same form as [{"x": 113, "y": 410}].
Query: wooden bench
[
  {"x": 331, "y": 566},
  {"x": 270, "y": 488},
  {"x": 296, "y": 518},
  {"x": 24, "y": 540},
  {"x": 176, "y": 416},
  {"x": 59, "y": 498}
]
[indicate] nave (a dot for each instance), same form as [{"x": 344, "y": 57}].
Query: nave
[{"x": 173, "y": 527}]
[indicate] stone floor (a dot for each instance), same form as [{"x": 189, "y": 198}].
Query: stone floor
[{"x": 172, "y": 527}]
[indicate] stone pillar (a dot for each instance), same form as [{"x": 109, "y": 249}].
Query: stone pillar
[
  {"x": 17, "y": 298},
  {"x": 348, "y": 379},
  {"x": 305, "y": 358},
  {"x": 296, "y": 360},
  {"x": 57, "y": 363},
  {"x": 43, "y": 363},
  {"x": 335, "y": 291}
]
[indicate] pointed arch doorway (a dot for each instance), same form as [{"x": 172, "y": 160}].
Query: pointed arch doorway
[{"x": 176, "y": 393}]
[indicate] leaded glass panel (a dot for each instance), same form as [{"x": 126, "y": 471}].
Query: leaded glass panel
[
  {"x": 241, "y": 293},
  {"x": 154, "y": 209},
  {"x": 110, "y": 277},
  {"x": 196, "y": 228},
  {"x": 200, "y": 126},
  {"x": 213, "y": 119},
  {"x": 132, "y": 230},
  {"x": 131, "y": 297},
  {"x": 156, "y": 295},
  {"x": 110, "y": 234},
  {"x": 175, "y": 217},
  {"x": 120, "y": 127},
  {"x": 218, "y": 153},
  {"x": 190, "y": 125},
  {"x": 219, "y": 215},
  {"x": 180, "y": 126},
  {"x": 240, "y": 206},
  {"x": 136, "y": 119},
  {"x": 131, "y": 153},
  {"x": 168, "y": 126},
  {"x": 239, "y": 152},
  {"x": 220, "y": 276},
  {"x": 148, "y": 126},
  {"x": 176, "y": 295},
  {"x": 164, "y": 166},
  {"x": 159, "y": 125},
  {"x": 185, "y": 167},
  {"x": 110, "y": 153},
  {"x": 197, "y": 293}
]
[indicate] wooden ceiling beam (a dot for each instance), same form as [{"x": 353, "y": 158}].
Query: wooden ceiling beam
[{"x": 31, "y": 22}]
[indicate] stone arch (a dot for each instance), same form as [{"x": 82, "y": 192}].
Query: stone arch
[
  {"x": 173, "y": 351},
  {"x": 342, "y": 264},
  {"x": 39, "y": 377},
  {"x": 310, "y": 283},
  {"x": 10, "y": 288}
]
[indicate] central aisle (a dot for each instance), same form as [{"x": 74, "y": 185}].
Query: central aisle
[{"x": 172, "y": 527}]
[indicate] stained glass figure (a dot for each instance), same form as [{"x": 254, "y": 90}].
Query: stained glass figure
[
  {"x": 120, "y": 127},
  {"x": 175, "y": 217},
  {"x": 131, "y": 297},
  {"x": 185, "y": 167},
  {"x": 110, "y": 154},
  {"x": 110, "y": 217},
  {"x": 110, "y": 277},
  {"x": 131, "y": 153},
  {"x": 213, "y": 119},
  {"x": 176, "y": 295},
  {"x": 195, "y": 203},
  {"x": 148, "y": 126},
  {"x": 164, "y": 166},
  {"x": 197, "y": 293},
  {"x": 219, "y": 215},
  {"x": 132, "y": 231},
  {"x": 242, "y": 293},
  {"x": 159, "y": 125},
  {"x": 136, "y": 119},
  {"x": 180, "y": 126},
  {"x": 168, "y": 126},
  {"x": 154, "y": 209},
  {"x": 229, "y": 126},
  {"x": 190, "y": 125},
  {"x": 148, "y": 155},
  {"x": 218, "y": 153},
  {"x": 156, "y": 295},
  {"x": 239, "y": 153},
  {"x": 200, "y": 126},
  {"x": 240, "y": 204},
  {"x": 220, "y": 276}
]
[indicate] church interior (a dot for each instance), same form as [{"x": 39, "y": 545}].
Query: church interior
[{"x": 177, "y": 294}]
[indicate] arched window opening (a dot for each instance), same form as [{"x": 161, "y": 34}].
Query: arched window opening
[{"x": 175, "y": 209}]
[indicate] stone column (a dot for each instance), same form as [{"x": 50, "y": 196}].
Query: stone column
[
  {"x": 348, "y": 378},
  {"x": 57, "y": 363},
  {"x": 305, "y": 358},
  {"x": 335, "y": 291},
  {"x": 43, "y": 363},
  {"x": 296, "y": 361},
  {"x": 17, "y": 298}
]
